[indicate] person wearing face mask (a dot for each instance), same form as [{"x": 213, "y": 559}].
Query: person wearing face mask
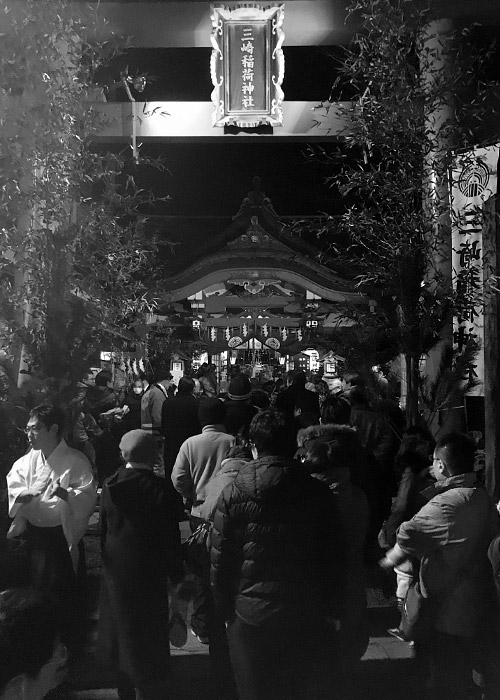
[
  {"x": 33, "y": 657},
  {"x": 131, "y": 419}
]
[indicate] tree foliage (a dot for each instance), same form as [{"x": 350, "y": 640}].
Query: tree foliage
[
  {"x": 419, "y": 95},
  {"x": 75, "y": 265}
]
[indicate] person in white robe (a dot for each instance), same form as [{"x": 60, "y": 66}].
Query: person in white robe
[{"x": 52, "y": 495}]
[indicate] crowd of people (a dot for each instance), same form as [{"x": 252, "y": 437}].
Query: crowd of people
[{"x": 298, "y": 490}]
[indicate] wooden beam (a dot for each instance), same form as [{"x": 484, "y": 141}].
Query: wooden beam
[{"x": 166, "y": 121}]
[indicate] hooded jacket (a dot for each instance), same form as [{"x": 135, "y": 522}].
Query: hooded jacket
[
  {"x": 277, "y": 545},
  {"x": 139, "y": 529},
  {"x": 141, "y": 547},
  {"x": 330, "y": 451},
  {"x": 364, "y": 470}
]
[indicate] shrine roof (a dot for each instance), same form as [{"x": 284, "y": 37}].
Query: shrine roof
[{"x": 192, "y": 247}]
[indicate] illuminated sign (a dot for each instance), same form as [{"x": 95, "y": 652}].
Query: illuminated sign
[{"x": 247, "y": 65}]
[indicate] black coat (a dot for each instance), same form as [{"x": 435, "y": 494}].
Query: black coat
[
  {"x": 277, "y": 545},
  {"x": 141, "y": 550},
  {"x": 179, "y": 421},
  {"x": 132, "y": 419},
  {"x": 238, "y": 416}
]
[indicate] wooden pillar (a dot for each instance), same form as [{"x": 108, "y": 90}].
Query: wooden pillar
[{"x": 491, "y": 266}]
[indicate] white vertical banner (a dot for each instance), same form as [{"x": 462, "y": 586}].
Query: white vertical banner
[{"x": 473, "y": 182}]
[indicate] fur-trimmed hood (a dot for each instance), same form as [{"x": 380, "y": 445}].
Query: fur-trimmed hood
[
  {"x": 329, "y": 430},
  {"x": 329, "y": 446}
]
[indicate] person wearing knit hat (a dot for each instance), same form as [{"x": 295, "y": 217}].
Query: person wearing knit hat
[
  {"x": 239, "y": 388},
  {"x": 239, "y": 409},
  {"x": 139, "y": 447},
  {"x": 141, "y": 552}
]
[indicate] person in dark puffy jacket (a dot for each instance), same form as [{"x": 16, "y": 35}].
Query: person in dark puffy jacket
[
  {"x": 276, "y": 562},
  {"x": 328, "y": 453}
]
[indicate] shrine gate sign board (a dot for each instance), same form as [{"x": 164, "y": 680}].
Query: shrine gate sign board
[{"x": 247, "y": 65}]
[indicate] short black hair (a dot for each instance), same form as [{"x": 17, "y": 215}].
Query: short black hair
[
  {"x": 260, "y": 399},
  {"x": 299, "y": 378},
  {"x": 49, "y": 415},
  {"x": 358, "y": 396},
  {"x": 211, "y": 411},
  {"x": 335, "y": 410},
  {"x": 415, "y": 450},
  {"x": 103, "y": 378},
  {"x": 30, "y": 626},
  {"x": 460, "y": 452},
  {"x": 185, "y": 386},
  {"x": 268, "y": 433}
]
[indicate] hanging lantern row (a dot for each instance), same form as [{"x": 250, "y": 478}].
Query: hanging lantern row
[
  {"x": 219, "y": 333},
  {"x": 265, "y": 330}
]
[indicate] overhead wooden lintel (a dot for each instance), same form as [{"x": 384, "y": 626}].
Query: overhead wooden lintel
[{"x": 166, "y": 121}]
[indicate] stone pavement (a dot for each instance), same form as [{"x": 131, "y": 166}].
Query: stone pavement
[{"x": 384, "y": 672}]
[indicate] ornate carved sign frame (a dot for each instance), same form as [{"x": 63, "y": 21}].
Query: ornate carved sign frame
[{"x": 247, "y": 65}]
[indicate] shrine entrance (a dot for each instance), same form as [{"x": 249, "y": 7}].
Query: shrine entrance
[{"x": 250, "y": 293}]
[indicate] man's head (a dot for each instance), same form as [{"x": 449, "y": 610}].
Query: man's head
[
  {"x": 267, "y": 433},
  {"x": 335, "y": 410},
  {"x": 211, "y": 412},
  {"x": 33, "y": 659},
  {"x": 185, "y": 386},
  {"x": 240, "y": 389},
  {"x": 139, "y": 447},
  {"x": 454, "y": 454},
  {"x": 334, "y": 385},
  {"x": 352, "y": 379},
  {"x": 306, "y": 410},
  {"x": 45, "y": 427},
  {"x": 297, "y": 379},
  {"x": 357, "y": 397},
  {"x": 88, "y": 378},
  {"x": 167, "y": 380},
  {"x": 103, "y": 378}
]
